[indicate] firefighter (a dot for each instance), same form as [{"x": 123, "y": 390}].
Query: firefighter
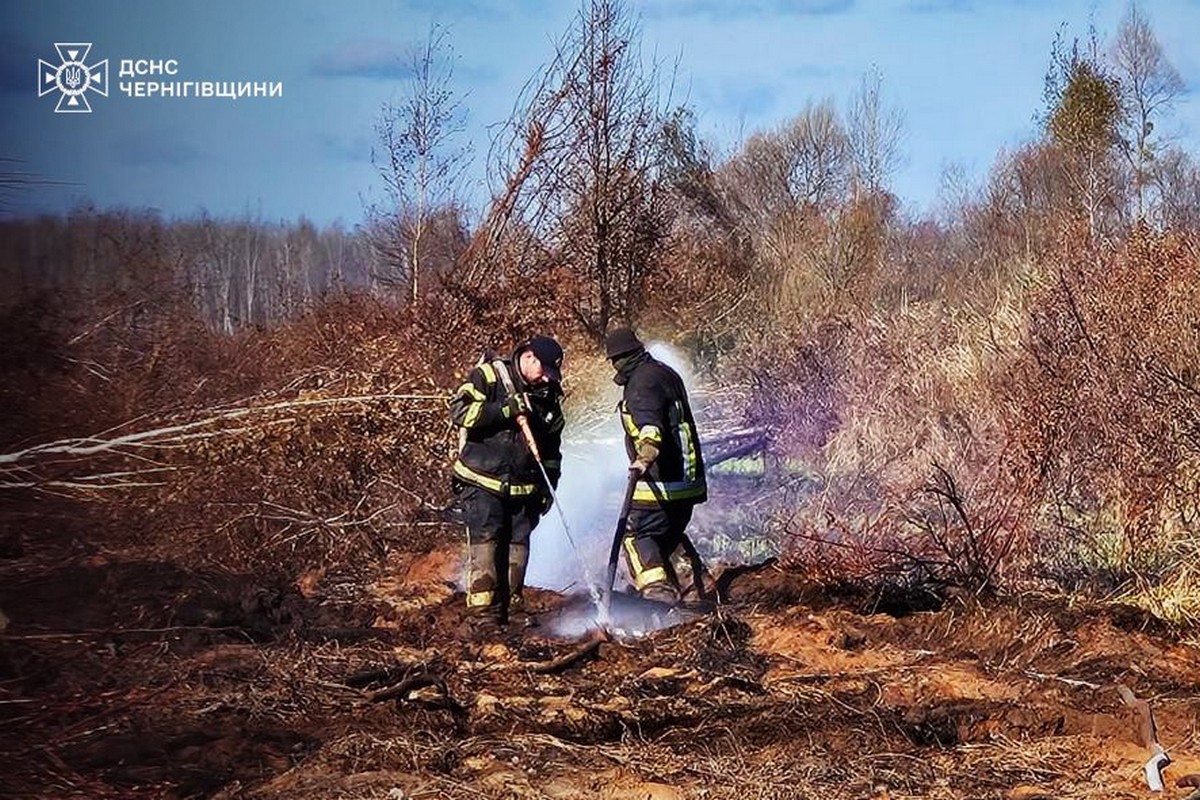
[
  {"x": 499, "y": 486},
  {"x": 664, "y": 449}
]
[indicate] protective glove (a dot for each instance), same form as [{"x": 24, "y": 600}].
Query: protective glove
[
  {"x": 547, "y": 503},
  {"x": 517, "y": 405},
  {"x": 646, "y": 453}
]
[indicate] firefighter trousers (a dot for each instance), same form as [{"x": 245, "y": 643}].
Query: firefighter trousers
[
  {"x": 498, "y": 530},
  {"x": 651, "y": 537}
]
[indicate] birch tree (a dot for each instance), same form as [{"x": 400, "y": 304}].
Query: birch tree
[
  {"x": 1150, "y": 84},
  {"x": 1084, "y": 112},
  {"x": 421, "y": 163},
  {"x": 875, "y": 133}
]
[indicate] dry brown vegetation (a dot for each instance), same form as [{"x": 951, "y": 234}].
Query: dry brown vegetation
[{"x": 223, "y": 485}]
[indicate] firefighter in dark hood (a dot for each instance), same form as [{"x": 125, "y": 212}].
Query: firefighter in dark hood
[
  {"x": 664, "y": 449},
  {"x": 499, "y": 485}
]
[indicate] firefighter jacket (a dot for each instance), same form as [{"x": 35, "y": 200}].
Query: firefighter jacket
[
  {"x": 493, "y": 453},
  {"x": 655, "y": 410}
]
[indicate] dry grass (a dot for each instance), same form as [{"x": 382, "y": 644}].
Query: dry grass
[{"x": 1175, "y": 597}]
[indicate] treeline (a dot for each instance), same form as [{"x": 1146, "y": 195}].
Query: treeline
[{"x": 235, "y": 273}]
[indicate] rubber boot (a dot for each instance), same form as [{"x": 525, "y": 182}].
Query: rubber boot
[
  {"x": 518, "y": 561},
  {"x": 652, "y": 577},
  {"x": 483, "y": 606}
]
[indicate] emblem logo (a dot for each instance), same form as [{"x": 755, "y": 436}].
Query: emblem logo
[{"x": 73, "y": 78}]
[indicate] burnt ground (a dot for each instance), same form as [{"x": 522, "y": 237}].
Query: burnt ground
[{"x": 135, "y": 679}]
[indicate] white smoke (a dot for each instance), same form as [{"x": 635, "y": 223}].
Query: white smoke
[{"x": 569, "y": 548}]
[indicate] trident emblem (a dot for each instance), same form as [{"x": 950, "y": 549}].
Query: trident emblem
[{"x": 73, "y": 78}]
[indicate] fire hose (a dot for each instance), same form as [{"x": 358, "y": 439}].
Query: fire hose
[
  {"x": 689, "y": 550},
  {"x": 615, "y": 551}
]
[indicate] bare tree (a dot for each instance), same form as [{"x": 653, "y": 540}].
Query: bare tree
[
  {"x": 1177, "y": 181},
  {"x": 875, "y": 132},
  {"x": 578, "y": 170},
  {"x": 686, "y": 163},
  {"x": 1149, "y": 86},
  {"x": 817, "y": 150},
  {"x": 615, "y": 222},
  {"x": 783, "y": 175},
  {"x": 213, "y": 273},
  {"x": 421, "y": 164}
]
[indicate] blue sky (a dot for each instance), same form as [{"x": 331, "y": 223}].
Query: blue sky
[{"x": 967, "y": 74}]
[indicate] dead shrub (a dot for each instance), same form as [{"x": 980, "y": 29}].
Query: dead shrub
[
  {"x": 322, "y": 442},
  {"x": 1105, "y": 402}
]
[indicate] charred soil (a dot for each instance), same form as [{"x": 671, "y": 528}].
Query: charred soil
[{"x": 126, "y": 678}]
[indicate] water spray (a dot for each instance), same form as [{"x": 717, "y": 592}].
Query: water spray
[{"x": 593, "y": 587}]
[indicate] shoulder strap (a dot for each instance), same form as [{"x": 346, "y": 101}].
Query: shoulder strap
[
  {"x": 490, "y": 372},
  {"x": 505, "y": 376}
]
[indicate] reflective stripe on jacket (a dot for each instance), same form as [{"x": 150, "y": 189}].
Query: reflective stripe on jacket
[
  {"x": 493, "y": 454},
  {"x": 655, "y": 409}
]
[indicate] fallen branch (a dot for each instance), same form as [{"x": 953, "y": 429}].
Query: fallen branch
[
  {"x": 158, "y": 437},
  {"x": 407, "y": 685},
  {"x": 569, "y": 659},
  {"x": 1068, "y": 681},
  {"x": 734, "y": 445},
  {"x": 67, "y": 635},
  {"x": 365, "y": 678}
]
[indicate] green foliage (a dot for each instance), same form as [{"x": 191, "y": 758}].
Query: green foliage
[
  {"x": 684, "y": 160},
  {"x": 1083, "y": 108},
  {"x": 1086, "y": 116}
]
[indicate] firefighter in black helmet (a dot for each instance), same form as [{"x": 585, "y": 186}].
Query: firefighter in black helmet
[
  {"x": 496, "y": 477},
  {"x": 664, "y": 450}
]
